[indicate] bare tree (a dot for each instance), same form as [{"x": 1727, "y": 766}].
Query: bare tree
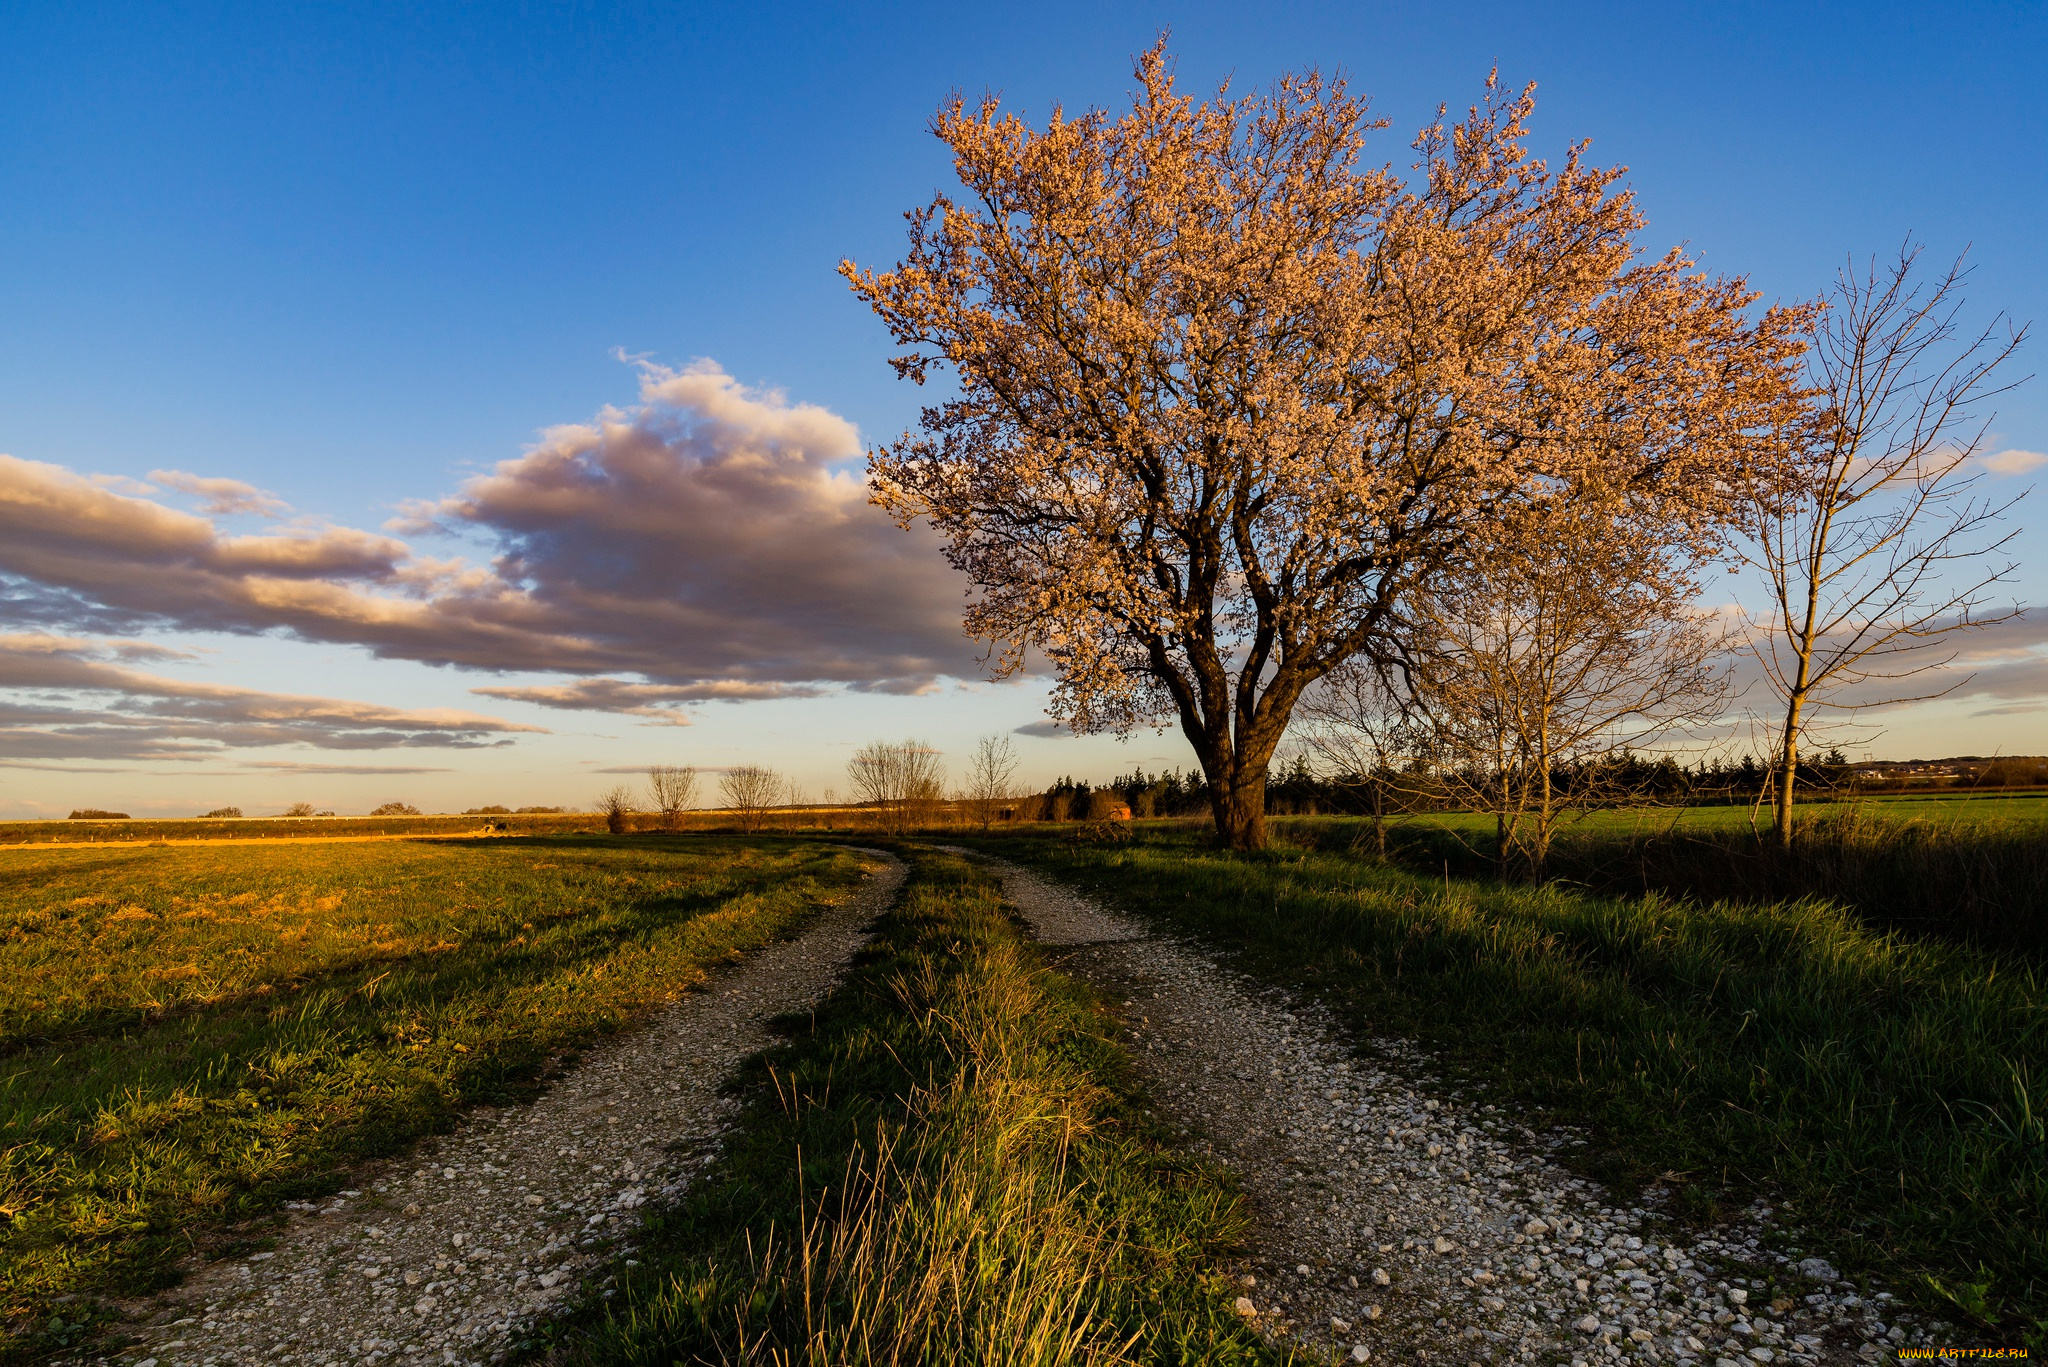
[
  {"x": 1363, "y": 733},
  {"x": 1583, "y": 639},
  {"x": 1880, "y": 555},
  {"x": 991, "y": 778},
  {"x": 673, "y": 789},
  {"x": 749, "y": 792},
  {"x": 616, "y": 804},
  {"x": 902, "y": 780},
  {"x": 795, "y": 800},
  {"x": 1228, "y": 395}
]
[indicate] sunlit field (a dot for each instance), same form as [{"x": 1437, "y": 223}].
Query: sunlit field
[{"x": 192, "y": 1035}]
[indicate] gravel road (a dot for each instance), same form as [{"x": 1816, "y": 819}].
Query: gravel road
[
  {"x": 492, "y": 1227},
  {"x": 1398, "y": 1220}
]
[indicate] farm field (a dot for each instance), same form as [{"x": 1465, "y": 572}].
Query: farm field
[
  {"x": 1886, "y": 1086},
  {"x": 190, "y": 1035}
]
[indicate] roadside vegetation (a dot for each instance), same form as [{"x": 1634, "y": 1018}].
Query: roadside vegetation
[
  {"x": 1886, "y": 1087},
  {"x": 1972, "y": 870},
  {"x": 190, "y": 1036},
  {"x": 947, "y": 1165}
]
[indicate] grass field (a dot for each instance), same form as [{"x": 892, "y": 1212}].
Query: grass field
[
  {"x": 1889, "y": 1087},
  {"x": 950, "y": 1165},
  {"x": 1972, "y": 810},
  {"x": 1969, "y": 869},
  {"x": 190, "y": 1035}
]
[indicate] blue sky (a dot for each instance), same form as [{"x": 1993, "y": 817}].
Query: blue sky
[{"x": 354, "y": 255}]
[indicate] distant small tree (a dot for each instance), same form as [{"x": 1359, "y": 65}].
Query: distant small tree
[
  {"x": 902, "y": 780},
  {"x": 299, "y": 809},
  {"x": 991, "y": 778},
  {"x": 97, "y": 814},
  {"x": 749, "y": 791},
  {"x": 494, "y": 810},
  {"x": 674, "y": 789},
  {"x": 541, "y": 811},
  {"x": 395, "y": 809},
  {"x": 221, "y": 814},
  {"x": 615, "y": 804}
]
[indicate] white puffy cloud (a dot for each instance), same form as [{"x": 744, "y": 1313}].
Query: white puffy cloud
[
  {"x": 2013, "y": 462},
  {"x": 220, "y": 497}
]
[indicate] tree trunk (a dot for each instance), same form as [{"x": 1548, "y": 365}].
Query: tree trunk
[
  {"x": 1788, "y": 773},
  {"x": 1238, "y": 798}
]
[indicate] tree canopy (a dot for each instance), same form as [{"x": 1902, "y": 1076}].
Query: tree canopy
[{"x": 1226, "y": 395}]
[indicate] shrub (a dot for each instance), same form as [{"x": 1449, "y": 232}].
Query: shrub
[
  {"x": 300, "y": 809},
  {"x": 398, "y": 809},
  {"x": 487, "y": 811},
  {"x": 96, "y": 814},
  {"x": 220, "y": 813},
  {"x": 616, "y": 804}
]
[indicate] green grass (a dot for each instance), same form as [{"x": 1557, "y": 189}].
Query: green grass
[
  {"x": 190, "y": 1035},
  {"x": 1967, "y": 869},
  {"x": 949, "y": 1164},
  {"x": 1892, "y": 1089},
  {"x": 1976, "y": 808}
]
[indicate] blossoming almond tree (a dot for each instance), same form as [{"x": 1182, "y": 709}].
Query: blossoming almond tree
[{"x": 1226, "y": 395}]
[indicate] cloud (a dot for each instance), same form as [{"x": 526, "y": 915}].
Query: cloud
[
  {"x": 654, "y": 701},
  {"x": 707, "y": 537},
  {"x": 219, "y": 497},
  {"x": 2005, "y": 662},
  {"x": 2013, "y": 462},
  {"x": 1048, "y": 729},
  {"x": 292, "y": 767},
  {"x": 76, "y": 698}
]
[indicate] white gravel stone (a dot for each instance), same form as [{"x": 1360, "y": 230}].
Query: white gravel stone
[{"x": 499, "y": 1223}]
